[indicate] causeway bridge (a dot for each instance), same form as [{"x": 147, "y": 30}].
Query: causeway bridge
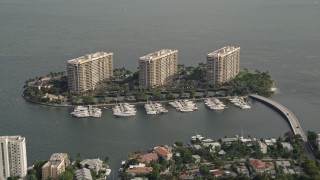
[{"x": 291, "y": 118}]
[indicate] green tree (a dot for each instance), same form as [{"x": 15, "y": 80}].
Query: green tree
[
  {"x": 67, "y": 175},
  {"x": 312, "y": 138},
  {"x": 88, "y": 100},
  {"x": 37, "y": 166},
  {"x": 157, "y": 96},
  {"x": 311, "y": 168}
]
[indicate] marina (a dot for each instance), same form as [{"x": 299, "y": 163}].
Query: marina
[
  {"x": 83, "y": 111},
  {"x": 240, "y": 102},
  {"x": 214, "y": 104},
  {"x": 124, "y": 109},
  {"x": 184, "y": 105},
  {"x": 154, "y": 108}
]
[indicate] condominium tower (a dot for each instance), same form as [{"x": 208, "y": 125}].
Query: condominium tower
[
  {"x": 158, "y": 68},
  {"x": 223, "y": 64},
  {"x": 13, "y": 157},
  {"x": 85, "y": 72}
]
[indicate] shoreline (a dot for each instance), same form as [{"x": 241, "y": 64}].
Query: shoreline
[{"x": 113, "y": 104}]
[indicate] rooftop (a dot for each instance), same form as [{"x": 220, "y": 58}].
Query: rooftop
[
  {"x": 83, "y": 174},
  {"x": 223, "y": 51},
  {"x": 58, "y": 156},
  {"x": 140, "y": 170},
  {"x": 89, "y": 57},
  {"x": 13, "y": 138},
  {"x": 157, "y": 54},
  {"x": 162, "y": 151},
  {"x": 149, "y": 157}
]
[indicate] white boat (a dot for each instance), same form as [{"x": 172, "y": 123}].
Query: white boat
[
  {"x": 108, "y": 172},
  {"x": 185, "y": 109},
  {"x": 82, "y": 111},
  {"x": 124, "y": 109}
]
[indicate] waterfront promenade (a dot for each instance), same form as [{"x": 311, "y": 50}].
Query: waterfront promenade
[{"x": 291, "y": 118}]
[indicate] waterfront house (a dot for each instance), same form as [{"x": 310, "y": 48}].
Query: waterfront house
[
  {"x": 163, "y": 152},
  {"x": 139, "y": 171},
  {"x": 270, "y": 142},
  {"x": 148, "y": 157},
  {"x": 214, "y": 146},
  {"x": 229, "y": 140},
  {"x": 92, "y": 164}
]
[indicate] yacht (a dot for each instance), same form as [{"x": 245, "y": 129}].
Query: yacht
[
  {"x": 124, "y": 109},
  {"x": 154, "y": 108},
  {"x": 82, "y": 111},
  {"x": 240, "y": 102}
]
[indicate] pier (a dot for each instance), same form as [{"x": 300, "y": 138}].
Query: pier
[{"x": 291, "y": 118}]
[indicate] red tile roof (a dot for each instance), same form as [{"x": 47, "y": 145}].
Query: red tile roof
[
  {"x": 257, "y": 164},
  {"x": 162, "y": 151},
  {"x": 140, "y": 170},
  {"x": 217, "y": 173},
  {"x": 149, "y": 157}
]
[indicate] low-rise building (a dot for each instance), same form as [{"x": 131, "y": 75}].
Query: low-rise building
[
  {"x": 215, "y": 146},
  {"x": 285, "y": 166},
  {"x": 287, "y": 146},
  {"x": 270, "y": 142},
  {"x": 263, "y": 147},
  {"x": 217, "y": 173},
  {"x": 243, "y": 170},
  {"x": 92, "y": 164},
  {"x": 260, "y": 166},
  {"x": 55, "y": 166},
  {"x": 83, "y": 174},
  {"x": 197, "y": 158},
  {"x": 229, "y": 140},
  {"x": 149, "y": 157},
  {"x": 163, "y": 152},
  {"x": 139, "y": 171}
]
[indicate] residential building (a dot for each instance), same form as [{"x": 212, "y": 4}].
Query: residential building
[
  {"x": 55, "y": 166},
  {"x": 260, "y": 166},
  {"x": 223, "y": 64},
  {"x": 158, "y": 68},
  {"x": 85, "y": 72},
  {"x": 92, "y": 164},
  {"x": 139, "y": 171},
  {"x": 217, "y": 173},
  {"x": 163, "y": 152},
  {"x": 287, "y": 146},
  {"x": 285, "y": 166},
  {"x": 149, "y": 157},
  {"x": 83, "y": 174},
  {"x": 13, "y": 156},
  {"x": 263, "y": 147}
]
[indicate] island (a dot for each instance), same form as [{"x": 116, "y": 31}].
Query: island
[{"x": 190, "y": 83}]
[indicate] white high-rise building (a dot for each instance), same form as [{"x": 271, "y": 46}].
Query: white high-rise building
[
  {"x": 158, "y": 68},
  {"x": 85, "y": 72},
  {"x": 223, "y": 64},
  {"x": 13, "y": 156}
]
